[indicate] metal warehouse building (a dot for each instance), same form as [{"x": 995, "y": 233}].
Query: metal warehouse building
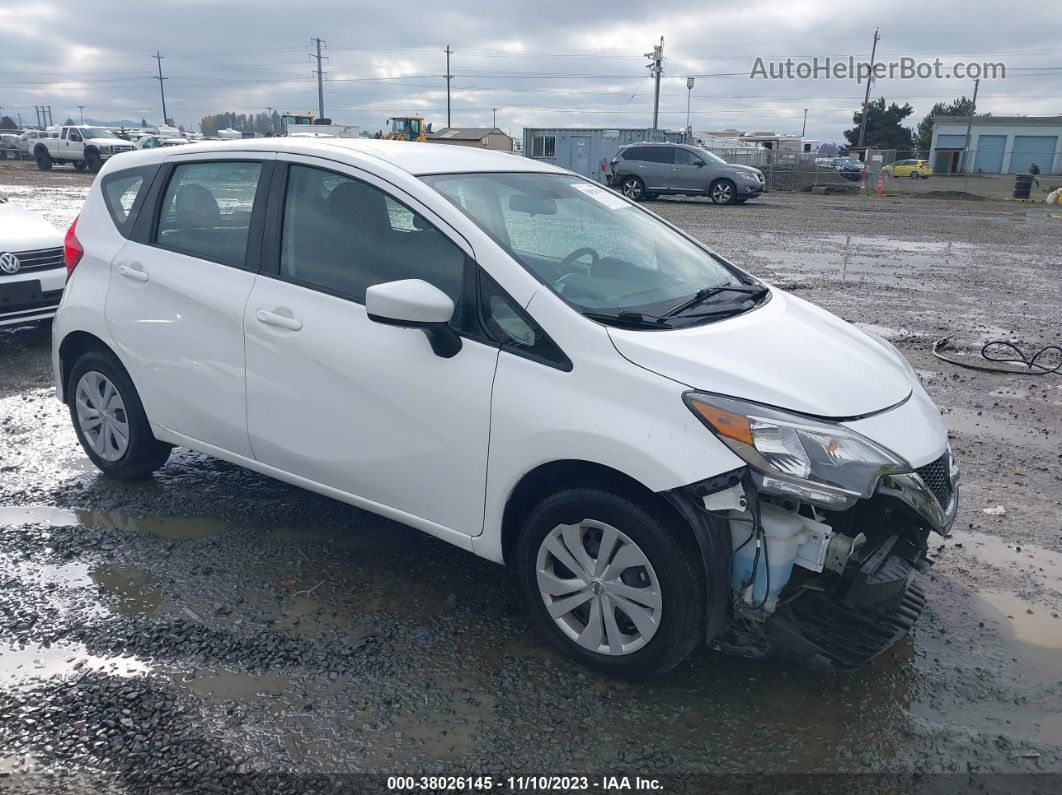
[
  {"x": 587, "y": 150},
  {"x": 998, "y": 144},
  {"x": 482, "y": 137}
]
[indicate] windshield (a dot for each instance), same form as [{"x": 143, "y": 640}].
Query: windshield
[
  {"x": 599, "y": 252},
  {"x": 90, "y": 132}
]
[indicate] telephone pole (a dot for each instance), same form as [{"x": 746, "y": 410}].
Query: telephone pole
[
  {"x": 320, "y": 81},
  {"x": 82, "y": 109},
  {"x": 804, "y": 129},
  {"x": 162, "y": 91},
  {"x": 969, "y": 124},
  {"x": 449, "y": 77},
  {"x": 866, "y": 97},
  {"x": 495, "y": 112},
  {"x": 656, "y": 68}
]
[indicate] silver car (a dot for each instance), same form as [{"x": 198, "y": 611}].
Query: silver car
[{"x": 642, "y": 171}]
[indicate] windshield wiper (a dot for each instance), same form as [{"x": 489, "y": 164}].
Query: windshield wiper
[
  {"x": 752, "y": 290},
  {"x": 628, "y": 318}
]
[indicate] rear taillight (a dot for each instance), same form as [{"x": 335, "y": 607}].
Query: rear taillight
[{"x": 72, "y": 249}]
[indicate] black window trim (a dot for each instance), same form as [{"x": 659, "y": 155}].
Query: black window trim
[
  {"x": 147, "y": 232},
  {"x": 127, "y": 228},
  {"x": 482, "y": 278}
]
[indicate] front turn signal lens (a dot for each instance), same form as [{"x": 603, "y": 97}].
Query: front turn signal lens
[{"x": 725, "y": 423}]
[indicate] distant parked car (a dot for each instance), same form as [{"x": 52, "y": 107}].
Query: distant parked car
[
  {"x": 32, "y": 273},
  {"x": 84, "y": 146},
  {"x": 155, "y": 141},
  {"x": 30, "y": 137},
  {"x": 8, "y": 146},
  {"x": 909, "y": 168},
  {"x": 642, "y": 171}
]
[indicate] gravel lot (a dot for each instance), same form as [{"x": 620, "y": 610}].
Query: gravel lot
[{"x": 212, "y": 626}]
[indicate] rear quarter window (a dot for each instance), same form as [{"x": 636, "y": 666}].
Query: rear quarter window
[{"x": 124, "y": 192}]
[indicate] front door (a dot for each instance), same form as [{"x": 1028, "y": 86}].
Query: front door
[
  {"x": 581, "y": 155},
  {"x": 176, "y": 300},
  {"x": 350, "y": 404},
  {"x": 689, "y": 172}
]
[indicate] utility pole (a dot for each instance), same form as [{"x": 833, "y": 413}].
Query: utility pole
[
  {"x": 969, "y": 124},
  {"x": 656, "y": 68},
  {"x": 320, "y": 81},
  {"x": 495, "y": 112},
  {"x": 866, "y": 97},
  {"x": 449, "y": 77},
  {"x": 804, "y": 129},
  {"x": 82, "y": 109},
  {"x": 689, "y": 95},
  {"x": 162, "y": 91}
]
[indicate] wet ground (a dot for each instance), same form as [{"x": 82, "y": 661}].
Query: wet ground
[{"x": 212, "y": 625}]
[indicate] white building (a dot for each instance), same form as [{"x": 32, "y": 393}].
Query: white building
[{"x": 998, "y": 144}]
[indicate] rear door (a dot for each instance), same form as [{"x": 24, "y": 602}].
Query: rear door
[
  {"x": 658, "y": 168},
  {"x": 178, "y": 290}
]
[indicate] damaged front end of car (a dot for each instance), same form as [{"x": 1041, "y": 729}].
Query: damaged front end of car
[{"x": 827, "y": 532}]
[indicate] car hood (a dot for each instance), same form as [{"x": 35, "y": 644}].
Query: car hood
[
  {"x": 746, "y": 169},
  {"x": 786, "y": 353},
  {"x": 107, "y": 142},
  {"x": 22, "y": 230}
]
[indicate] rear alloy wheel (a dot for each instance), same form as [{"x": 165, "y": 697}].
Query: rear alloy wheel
[
  {"x": 633, "y": 188},
  {"x": 109, "y": 419},
  {"x": 723, "y": 191},
  {"x": 611, "y": 583}
]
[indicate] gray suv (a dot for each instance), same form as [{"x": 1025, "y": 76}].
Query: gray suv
[{"x": 642, "y": 171}]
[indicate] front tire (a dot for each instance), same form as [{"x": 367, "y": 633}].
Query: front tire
[
  {"x": 80, "y": 165},
  {"x": 109, "y": 419},
  {"x": 93, "y": 162},
  {"x": 633, "y": 188},
  {"x": 612, "y": 582},
  {"x": 723, "y": 191}
]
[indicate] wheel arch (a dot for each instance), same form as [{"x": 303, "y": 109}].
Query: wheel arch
[
  {"x": 40, "y": 148},
  {"x": 75, "y": 345},
  {"x": 553, "y": 476}
]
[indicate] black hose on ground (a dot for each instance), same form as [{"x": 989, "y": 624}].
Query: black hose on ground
[{"x": 1005, "y": 353}]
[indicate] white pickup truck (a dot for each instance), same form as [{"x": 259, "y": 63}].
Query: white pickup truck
[{"x": 85, "y": 147}]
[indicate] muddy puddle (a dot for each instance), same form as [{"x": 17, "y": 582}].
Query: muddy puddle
[{"x": 25, "y": 664}]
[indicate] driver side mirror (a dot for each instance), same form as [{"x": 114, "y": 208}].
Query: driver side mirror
[
  {"x": 413, "y": 303},
  {"x": 699, "y": 164}
]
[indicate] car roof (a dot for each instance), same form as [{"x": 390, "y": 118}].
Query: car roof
[{"x": 410, "y": 156}]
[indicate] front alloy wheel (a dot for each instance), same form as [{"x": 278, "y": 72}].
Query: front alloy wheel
[
  {"x": 599, "y": 587},
  {"x": 723, "y": 192}
]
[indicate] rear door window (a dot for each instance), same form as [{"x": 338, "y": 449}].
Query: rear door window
[
  {"x": 206, "y": 210},
  {"x": 124, "y": 192}
]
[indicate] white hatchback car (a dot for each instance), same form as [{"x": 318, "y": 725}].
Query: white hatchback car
[
  {"x": 32, "y": 273},
  {"x": 523, "y": 363}
]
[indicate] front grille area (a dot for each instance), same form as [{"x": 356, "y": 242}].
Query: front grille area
[
  {"x": 937, "y": 476},
  {"x": 39, "y": 259}
]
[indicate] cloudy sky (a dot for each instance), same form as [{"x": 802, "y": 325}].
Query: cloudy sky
[{"x": 538, "y": 63}]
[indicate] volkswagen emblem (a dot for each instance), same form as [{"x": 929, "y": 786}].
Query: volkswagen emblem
[{"x": 9, "y": 263}]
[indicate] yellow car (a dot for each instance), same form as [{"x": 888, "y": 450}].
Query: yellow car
[{"x": 909, "y": 168}]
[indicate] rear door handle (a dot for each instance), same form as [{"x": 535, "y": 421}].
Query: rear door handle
[
  {"x": 268, "y": 318},
  {"x": 135, "y": 274}
]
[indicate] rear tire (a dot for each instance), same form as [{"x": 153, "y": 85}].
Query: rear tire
[
  {"x": 633, "y": 188},
  {"x": 109, "y": 418},
  {"x": 635, "y": 621},
  {"x": 44, "y": 161}
]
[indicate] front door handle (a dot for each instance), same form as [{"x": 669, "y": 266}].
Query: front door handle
[
  {"x": 268, "y": 318},
  {"x": 135, "y": 274}
]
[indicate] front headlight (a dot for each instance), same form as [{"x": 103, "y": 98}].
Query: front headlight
[
  {"x": 105, "y": 149},
  {"x": 813, "y": 460}
]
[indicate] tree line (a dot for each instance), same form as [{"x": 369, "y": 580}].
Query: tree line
[
  {"x": 885, "y": 130},
  {"x": 261, "y": 123}
]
